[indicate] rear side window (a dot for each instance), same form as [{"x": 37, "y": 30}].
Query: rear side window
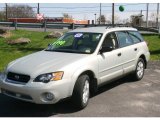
[
  {"x": 124, "y": 39},
  {"x": 136, "y": 37}
]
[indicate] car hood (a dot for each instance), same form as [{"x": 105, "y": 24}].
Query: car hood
[{"x": 43, "y": 62}]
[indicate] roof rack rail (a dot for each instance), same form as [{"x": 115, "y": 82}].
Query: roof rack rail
[
  {"x": 109, "y": 27},
  {"x": 122, "y": 25},
  {"x": 117, "y": 25}
]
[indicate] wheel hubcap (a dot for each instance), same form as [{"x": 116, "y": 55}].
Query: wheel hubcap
[
  {"x": 140, "y": 69},
  {"x": 86, "y": 92}
]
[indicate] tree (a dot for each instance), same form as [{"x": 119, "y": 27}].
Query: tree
[
  {"x": 126, "y": 21},
  {"x": 153, "y": 17},
  {"x": 108, "y": 22},
  {"x": 66, "y": 15},
  {"x": 136, "y": 20},
  {"x": 2, "y": 16},
  {"x": 18, "y": 11},
  {"x": 102, "y": 18},
  {"x": 116, "y": 19}
]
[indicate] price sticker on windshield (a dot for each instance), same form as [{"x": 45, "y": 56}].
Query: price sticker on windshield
[
  {"x": 78, "y": 35},
  {"x": 59, "y": 43}
]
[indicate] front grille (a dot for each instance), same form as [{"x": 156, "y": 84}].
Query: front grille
[
  {"x": 17, "y": 95},
  {"x": 18, "y": 77}
]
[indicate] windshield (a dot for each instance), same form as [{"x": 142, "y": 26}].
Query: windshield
[{"x": 76, "y": 43}]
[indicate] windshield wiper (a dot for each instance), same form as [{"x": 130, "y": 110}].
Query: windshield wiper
[{"x": 68, "y": 51}]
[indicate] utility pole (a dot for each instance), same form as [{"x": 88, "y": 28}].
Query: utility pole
[
  {"x": 147, "y": 15},
  {"x": 113, "y": 14},
  {"x": 100, "y": 14},
  {"x": 38, "y": 9},
  {"x": 6, "y": 12},
  {"x": 141, "y": 13},
  {"x": 95, "y": 18},
  {"x": 157, "y": 15}
]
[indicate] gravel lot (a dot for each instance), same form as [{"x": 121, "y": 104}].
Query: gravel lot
[{"x": 123, "y": 98}]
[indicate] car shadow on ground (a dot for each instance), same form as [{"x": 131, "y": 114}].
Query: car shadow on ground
[{"x": 10, "y": 107}]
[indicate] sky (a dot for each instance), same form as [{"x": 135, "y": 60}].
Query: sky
[{"x": 87, "y": 11}]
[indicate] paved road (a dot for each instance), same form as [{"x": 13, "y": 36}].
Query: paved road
[{"x": 124, "y": 98}]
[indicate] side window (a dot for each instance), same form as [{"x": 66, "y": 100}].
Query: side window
[
  {"x": 124, "y": 39},
  {"x": 110, "y": 41},
  {"x": 136, "y": 37}
]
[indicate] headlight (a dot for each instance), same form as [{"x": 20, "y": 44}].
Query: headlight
[{"x": 45, "y": 78}]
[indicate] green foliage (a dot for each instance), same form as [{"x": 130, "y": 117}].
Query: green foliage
[
  {"x": 154, "y": 46},
  {"x": 12, "y": 52}
]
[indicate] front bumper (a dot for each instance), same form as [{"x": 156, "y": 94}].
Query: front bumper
[{"x": 34, "y": 91}]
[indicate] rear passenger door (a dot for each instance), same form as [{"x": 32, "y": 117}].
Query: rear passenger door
[{"x": 129, "y": 51}]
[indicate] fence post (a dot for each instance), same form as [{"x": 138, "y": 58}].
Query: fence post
[
  {"x": 92, "y": 22},
  {"x": 45, "y": 25},
  {"x": 72, "y": 26},
  {"x": 159, "y": 31},
  {"x": 15, "y": 24}
]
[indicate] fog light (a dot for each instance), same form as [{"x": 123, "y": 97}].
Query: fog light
[{"x": 49, "y": 96}]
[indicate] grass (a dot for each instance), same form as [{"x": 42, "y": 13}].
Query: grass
[
  {"x": 12, "y": 52},
  {"x": 154, "y": 46}
]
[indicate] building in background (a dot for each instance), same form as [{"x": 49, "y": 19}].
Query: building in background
[{"x": 53, "y": 20}]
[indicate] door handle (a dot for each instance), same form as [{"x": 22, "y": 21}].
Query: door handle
[
  {"x": 119, "y": 54},
  {"x": 135, "y": 49}
]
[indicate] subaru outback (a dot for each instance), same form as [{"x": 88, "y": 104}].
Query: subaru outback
[{"x": 76, "y": 65}]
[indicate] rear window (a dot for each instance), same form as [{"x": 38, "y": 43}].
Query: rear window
[{"x": 135, "y": 35}]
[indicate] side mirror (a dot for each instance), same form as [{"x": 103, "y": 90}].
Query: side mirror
[
  {"x": 49, "y": 45},
  {"x": 106, "y": 49}
]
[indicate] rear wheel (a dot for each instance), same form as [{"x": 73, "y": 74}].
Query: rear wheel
[
  {"x": 139, "y": 72},
  {"x": 81, "y": 92}
]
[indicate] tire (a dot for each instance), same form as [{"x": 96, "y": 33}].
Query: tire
[
  {"x": 81, "y": 92},
  {"x": 139, "y": 72}
]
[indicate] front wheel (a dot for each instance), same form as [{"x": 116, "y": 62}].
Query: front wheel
[
  {"x": 81, "y": 92},
  {"x": 139, "y": 72}
]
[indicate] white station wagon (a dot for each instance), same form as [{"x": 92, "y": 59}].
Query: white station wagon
[{"x": 75, "y": 65}]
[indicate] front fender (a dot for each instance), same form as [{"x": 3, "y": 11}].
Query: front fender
[{"x": 78, "y": 72}]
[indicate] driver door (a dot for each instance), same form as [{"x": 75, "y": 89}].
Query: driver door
[{"x": 110, "y": 63}]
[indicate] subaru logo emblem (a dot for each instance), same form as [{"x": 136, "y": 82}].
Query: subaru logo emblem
[{"x": 16, "y": 77}]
